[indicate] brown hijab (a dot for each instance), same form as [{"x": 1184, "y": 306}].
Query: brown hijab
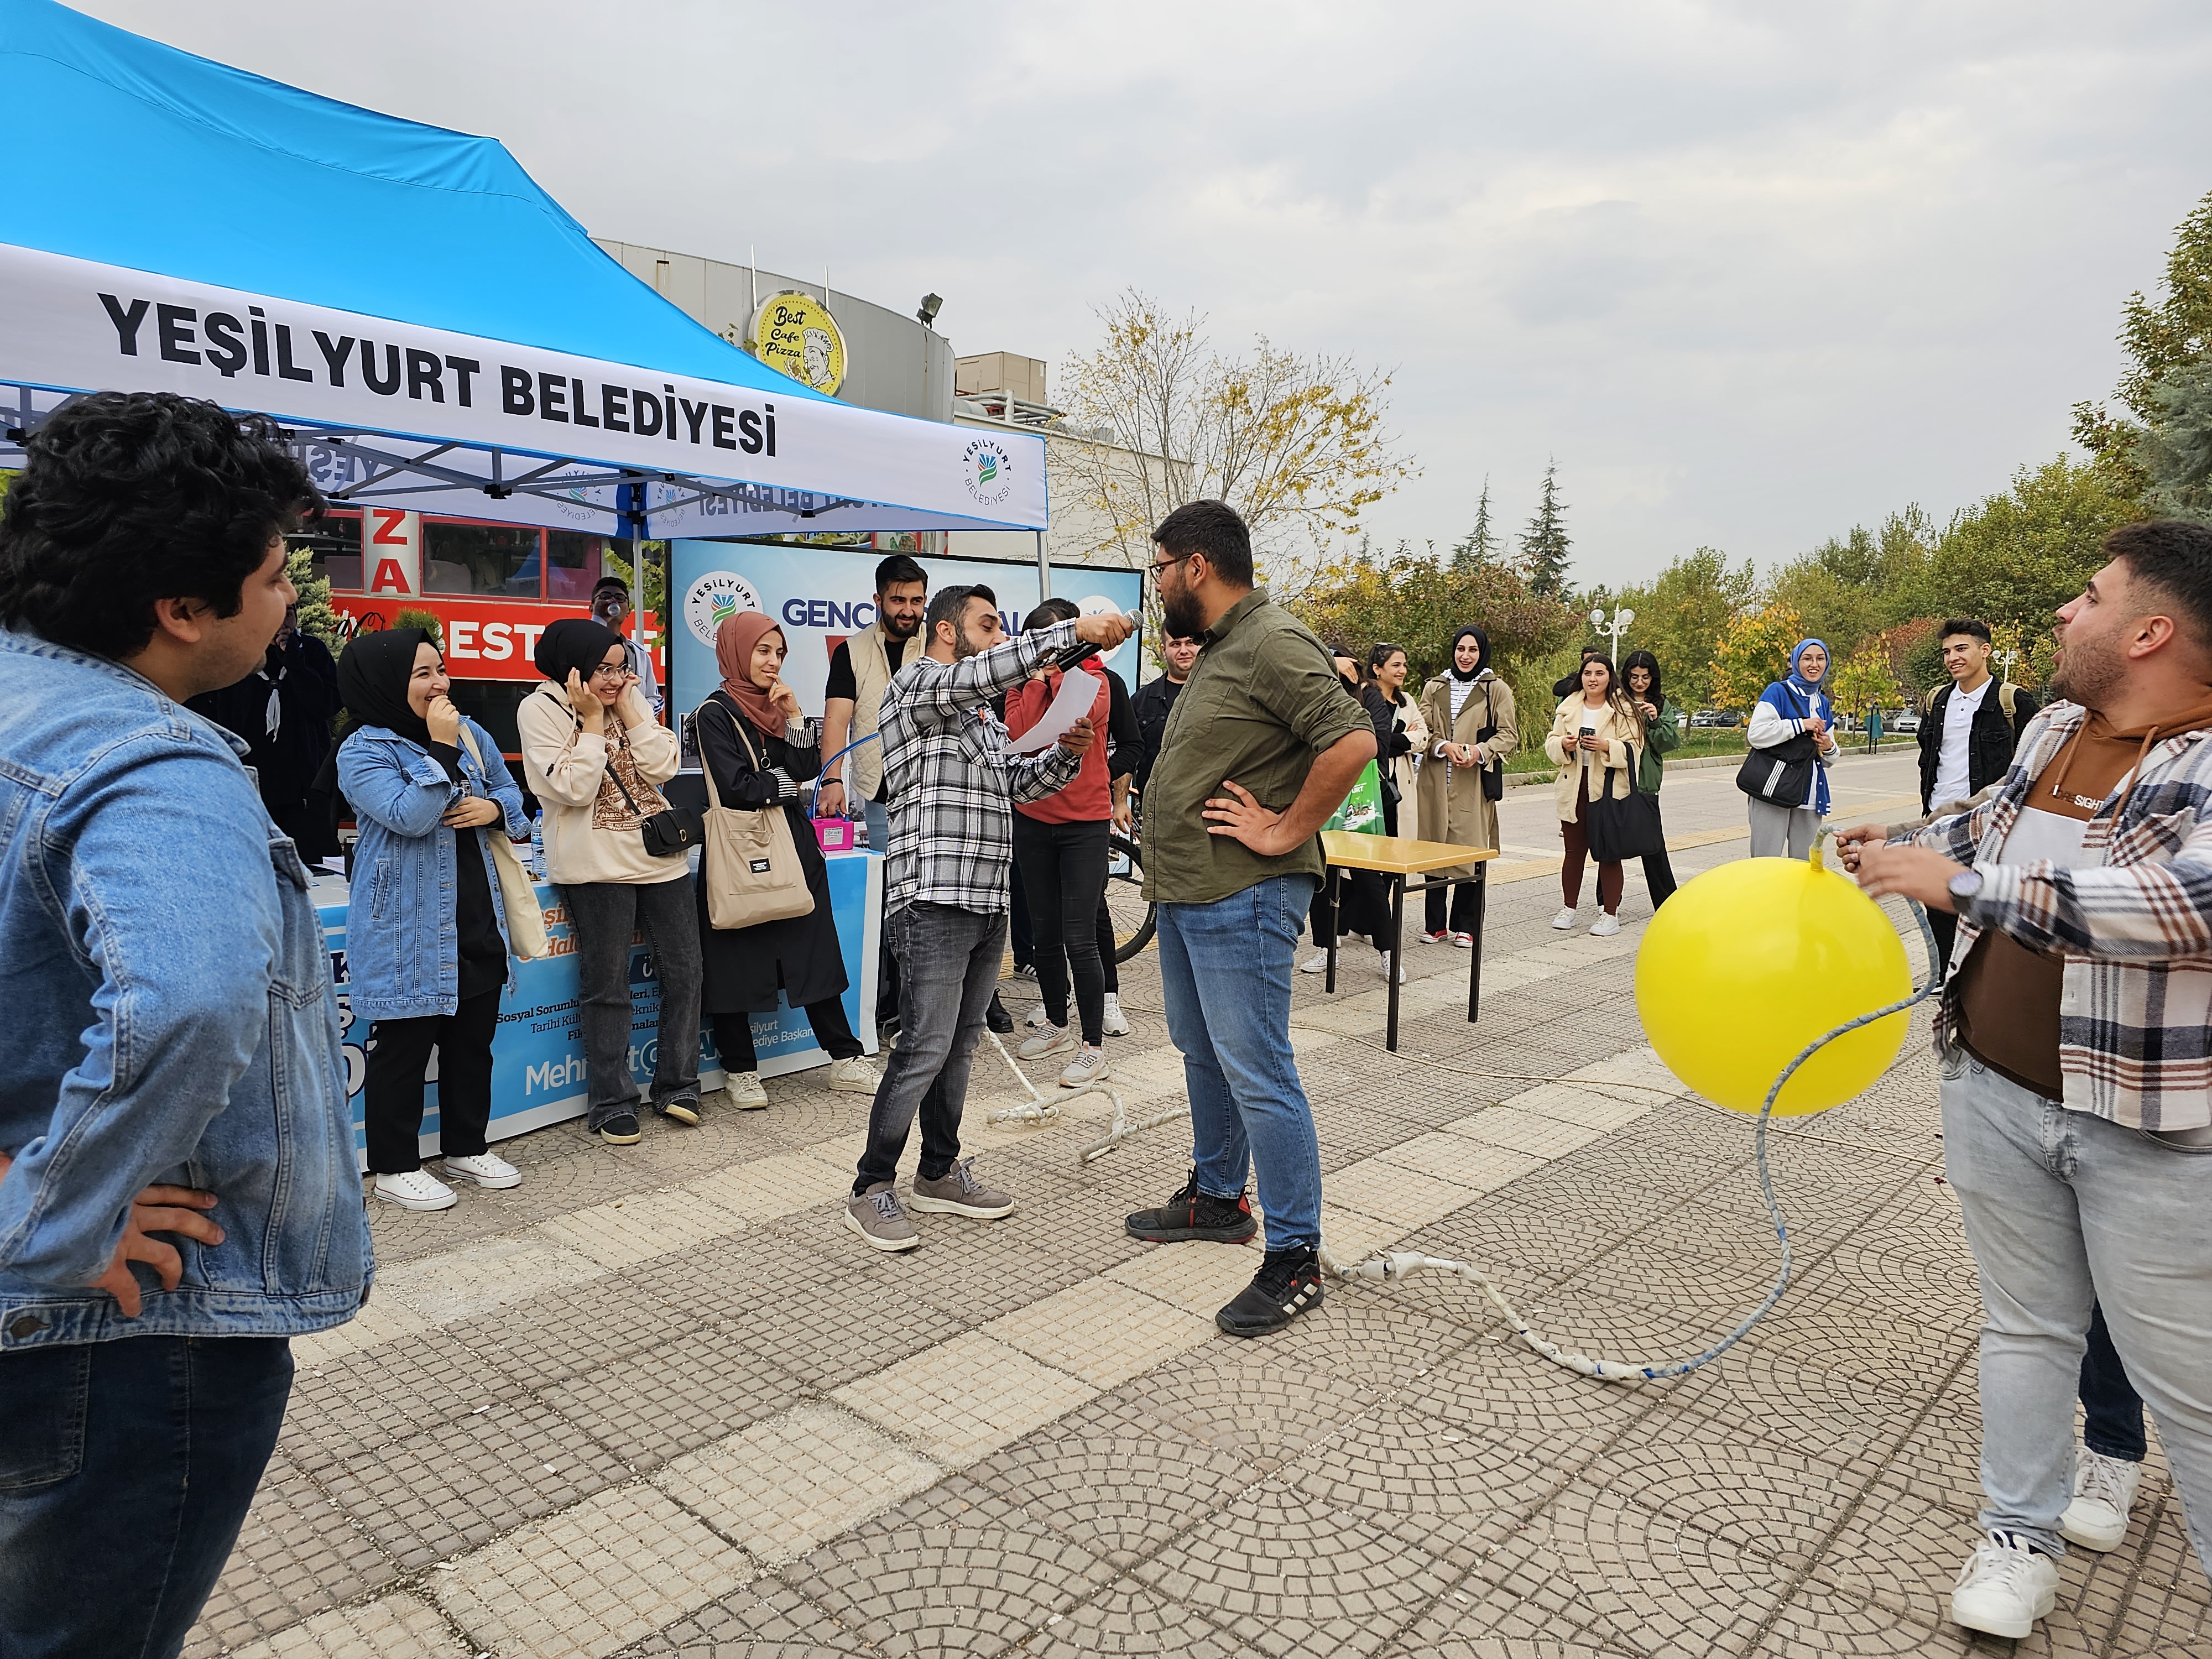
[{"x": 733, "y": 655}]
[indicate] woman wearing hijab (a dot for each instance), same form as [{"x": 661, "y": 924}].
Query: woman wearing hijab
[
  {"x": 1662, "y": 733},
  {"x": 1787, "y": 711},
  {"x": 1473, "y": 726},
  {"x": 594, "y": 757},
  {"x": 425, "y": 927},
  {"x": 753, "y": 744}
]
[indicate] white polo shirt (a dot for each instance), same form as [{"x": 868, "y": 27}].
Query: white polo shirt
[{"x": 1951, "y": 777}]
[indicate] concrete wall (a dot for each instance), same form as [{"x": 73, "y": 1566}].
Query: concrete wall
[{"x": 891, "y": 361}]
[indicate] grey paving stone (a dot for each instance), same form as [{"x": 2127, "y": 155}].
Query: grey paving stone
[
  {"x": 670, "y": 1399},
  {"x": 1116, "y": 1479},
  {"x": 766, "y": 1619},
  {"x": 344, "y": 1407},
  {"x": 1127, "y": 1620},
  {"x": 297, "y": 1555},
  {"x": 956, "y": 1569},
  {"x": 548, "y": 1338},
  {"x": 442, "y": 1494}
]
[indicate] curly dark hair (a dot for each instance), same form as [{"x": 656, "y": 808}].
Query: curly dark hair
[{"x": 130, "y": 497}]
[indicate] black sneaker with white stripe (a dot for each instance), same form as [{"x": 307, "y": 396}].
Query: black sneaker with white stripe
[{"x": 1287, "y": 1284}]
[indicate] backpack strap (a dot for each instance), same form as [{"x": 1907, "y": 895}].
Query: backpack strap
[{"x": 2008, "y": 700}]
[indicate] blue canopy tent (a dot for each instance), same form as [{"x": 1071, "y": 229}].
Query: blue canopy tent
[{"x": 466, "y": 349}]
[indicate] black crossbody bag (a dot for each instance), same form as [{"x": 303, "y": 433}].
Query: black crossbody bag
[
  {"x": 666, "y": 835},
  {"x": 1784, "y": 774}
]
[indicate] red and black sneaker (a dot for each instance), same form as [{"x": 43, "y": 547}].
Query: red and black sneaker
[
  {"x": 1194, "y": 1214},
  {"x": 1287, "y": 1284}
]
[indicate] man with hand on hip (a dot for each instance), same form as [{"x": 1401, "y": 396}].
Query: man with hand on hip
[
  {"x": 1263, "y": 745},
  {"x": 2073, "y": 1043},
  {"x": 172, "y": 1071},
  {"x": 953, "y": 786}
]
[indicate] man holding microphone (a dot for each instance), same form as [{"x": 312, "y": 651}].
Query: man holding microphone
[{"x": 953, "y": 786}]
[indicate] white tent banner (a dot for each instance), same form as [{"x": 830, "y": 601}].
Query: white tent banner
[{"x": 74, "y": 324}]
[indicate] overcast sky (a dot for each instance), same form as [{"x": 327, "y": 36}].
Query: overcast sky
[{"x": 1752, "y": 273}]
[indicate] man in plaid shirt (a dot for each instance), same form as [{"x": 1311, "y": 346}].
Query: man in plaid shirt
[
  {"x": 952, "y": 786},
  {"x": 2074, "y": 1042}
]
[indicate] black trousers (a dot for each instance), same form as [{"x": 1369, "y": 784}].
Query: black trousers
[
  {"x": 734, "y": 1034},
  {"x": 392, "y": 1092},
  {"x": 1064, "y": 874},
  {"x": 1659, "y": 877},
  {"x": 2111, "y": 1410},
  {"x": 1463, "y": 910},
  {"x": 1945, "y": 926}
]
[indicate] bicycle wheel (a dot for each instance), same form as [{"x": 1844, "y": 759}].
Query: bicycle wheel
[{"x": 1125, "y": 898}]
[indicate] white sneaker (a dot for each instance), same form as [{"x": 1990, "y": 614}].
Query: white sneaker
[
  {"x": 1117, "y": 1022},
  {"x": 1316, "y": 963},
  {"x": 1386, "y": 969},
  {"x": 1037, "y": 1016},
  {"x": 2004, "y": 1590},
  {"x": 2104, "y": 1493},
  {"x": 1566, "y": 920},
  {"x": 1089, "y": 1066},
  {"x": 746, "y": 1091},
  {"x": 485, "y": 1170},
  {"x": 1027, "y": 972},
  {"x": 1464, "y": 941},
  {"x": 1605, "y": 926},
  {"x": 417, "y": 1189},
  {"x": 851, "y": 1077},
  {"x": 1050, "y": 1040}
]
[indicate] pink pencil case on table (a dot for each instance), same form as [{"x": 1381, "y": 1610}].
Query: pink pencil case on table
[{"x": 834, "y": 834}]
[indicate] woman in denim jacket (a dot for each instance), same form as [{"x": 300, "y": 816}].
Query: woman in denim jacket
[{"x": 426, "y": 942}]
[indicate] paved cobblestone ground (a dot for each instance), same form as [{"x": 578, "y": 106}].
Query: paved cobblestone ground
[{"x": 658, "y": 1402}]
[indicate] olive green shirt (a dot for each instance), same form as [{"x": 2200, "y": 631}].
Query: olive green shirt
[{"x": 1263, "y": 699}]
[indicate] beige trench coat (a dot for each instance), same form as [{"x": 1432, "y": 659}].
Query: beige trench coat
[{"x": 1453, "y": 807}]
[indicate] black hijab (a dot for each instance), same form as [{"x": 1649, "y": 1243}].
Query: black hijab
[
  {"x": 372, "y": 677},
  {"x": 576, "y": 642},
  {"x": 1451, "y": 657}
]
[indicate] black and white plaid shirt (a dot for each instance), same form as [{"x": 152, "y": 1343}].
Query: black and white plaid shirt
[{"x": 953, "y": 784}]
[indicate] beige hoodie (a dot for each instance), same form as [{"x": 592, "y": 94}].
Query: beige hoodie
[{"x": 591, "y": 833}]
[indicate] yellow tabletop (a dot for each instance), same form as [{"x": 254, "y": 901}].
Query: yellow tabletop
[{"x": 1396, "y": 855}]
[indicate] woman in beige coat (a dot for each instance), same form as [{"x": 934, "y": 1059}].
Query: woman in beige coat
[
  {"x": 1597, "y": 739},
  {"x": 1472, "y": 728}
]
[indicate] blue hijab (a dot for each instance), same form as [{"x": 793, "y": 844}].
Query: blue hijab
[
  {"x": 1795, "y": 697},
  {"x": 1797, "y": 678}
]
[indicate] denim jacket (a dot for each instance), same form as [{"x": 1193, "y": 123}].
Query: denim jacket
[
  {"x": 171, "y": 1019},
  {"x": 403, "y": 947}
]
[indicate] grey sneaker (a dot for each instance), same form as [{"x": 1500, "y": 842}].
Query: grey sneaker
[
  {"x": 877, "y": 1216},
  {"x": 1089, "y": 1066},
  {"x": 1050, "y": 1039},
  {"x": 957, "y": 1192}
]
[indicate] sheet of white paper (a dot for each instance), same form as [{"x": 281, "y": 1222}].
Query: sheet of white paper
[{"x": 1077, "y": 691}]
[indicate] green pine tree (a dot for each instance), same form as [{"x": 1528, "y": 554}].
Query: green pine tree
[
  {"x": 2160, "y": 337},
  {"x": 1480, "y": 545},
  {"x": 1544, "y": 544}
]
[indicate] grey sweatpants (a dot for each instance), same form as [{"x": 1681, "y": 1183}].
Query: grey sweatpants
[{"x": 1781, "y": 831}]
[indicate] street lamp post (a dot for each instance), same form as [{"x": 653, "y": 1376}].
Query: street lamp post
[{"x": 1615, "y": 628}]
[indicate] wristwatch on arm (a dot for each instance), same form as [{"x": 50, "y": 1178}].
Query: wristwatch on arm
[{"x": 1964, "y": 886}]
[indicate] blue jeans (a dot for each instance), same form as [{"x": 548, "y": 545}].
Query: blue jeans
[
  {"x": 949, "y": 961},
  {"x": 2111, "y": 1410},
  {"x": 125, "y": 1471},
  {"x": 2065, "y": 1211},
  {"x": 1248, "y": 1109}
]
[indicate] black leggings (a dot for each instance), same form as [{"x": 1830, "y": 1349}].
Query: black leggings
[
  {"x": 734, "y": 1034},
  {"x": 392, "y": 1092},
  {"x": 1064, "y": 874}
]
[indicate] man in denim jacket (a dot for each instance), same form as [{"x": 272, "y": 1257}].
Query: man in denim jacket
[{"x": 178, "y": 1195}]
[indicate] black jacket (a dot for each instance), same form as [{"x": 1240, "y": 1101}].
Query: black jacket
[
  {"x": 1990, "y": 745},
  {"x": 1151, "y": 704}
]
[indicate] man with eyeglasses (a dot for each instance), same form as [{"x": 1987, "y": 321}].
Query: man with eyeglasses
[{"x": 1263, "y": 743}]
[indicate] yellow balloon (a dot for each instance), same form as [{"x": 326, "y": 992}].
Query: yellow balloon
[{"x": 1747, "y": 965}]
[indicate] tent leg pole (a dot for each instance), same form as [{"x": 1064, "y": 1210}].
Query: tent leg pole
[{"x": 1044, "y": 570}]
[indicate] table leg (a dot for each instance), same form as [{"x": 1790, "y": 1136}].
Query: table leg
[
  {"x": 1475, "y": 967},
  {"x": 1330, "y": 884},
  {"x": 1397, "y": 955}
]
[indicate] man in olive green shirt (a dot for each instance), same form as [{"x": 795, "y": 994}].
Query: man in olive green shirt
[{"x": 1263, "y": 745}]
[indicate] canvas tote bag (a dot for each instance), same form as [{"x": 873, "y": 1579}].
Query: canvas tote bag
[
  {"x": 526, "y": 921},
  {"x": 751, "y": 867}
]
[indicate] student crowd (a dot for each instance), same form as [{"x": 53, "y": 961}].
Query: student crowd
[{"x": 179, "y": 1188}]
